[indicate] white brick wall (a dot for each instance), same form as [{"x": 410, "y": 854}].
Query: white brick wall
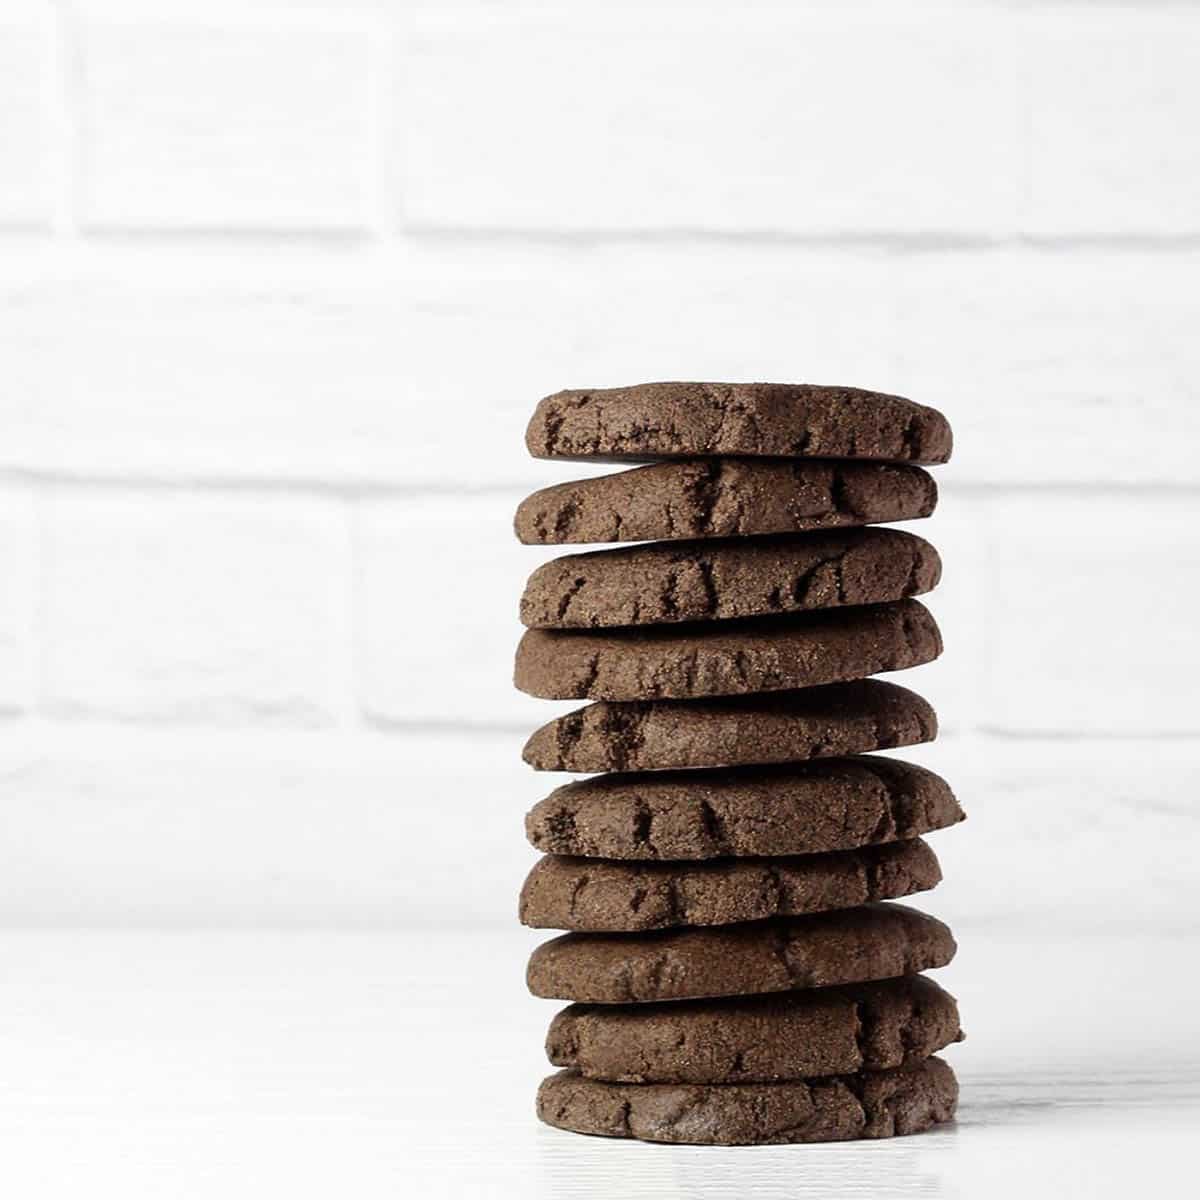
[
  {"x": 355, "y": 356},
  {"x": 162, "y": 606},
  {"x": 19, "y": 633},
  {"x": 437, "y": 584},
  {"x": 189, "y": 126},
  {"x": 735, "y": 128},
  {"x": 110, "y": 824},
  {"x": 24, "y": 126},
  {"x": 282, "y": 282},
  {"x": 1106, "y": 90},
  {"x": 1094, "y": 610}
]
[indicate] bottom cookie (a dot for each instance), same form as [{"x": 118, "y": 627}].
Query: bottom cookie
[{"x": 870, "y": 1104}]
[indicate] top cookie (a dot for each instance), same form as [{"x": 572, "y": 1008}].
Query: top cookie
[{"x": 783, "y": 420}]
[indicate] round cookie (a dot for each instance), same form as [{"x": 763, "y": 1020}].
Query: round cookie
[
  {"x": 870, "y": 1104},
  {"x": 723, "y": 497},
  {"x": 840, "y": 719},
  {"x": 597, "y": 896},
  {"x": 853, "y": 945},
  {"x": 758, "y": 1039},
  {"x": 800, "y": 808},
  {"x": 788, "y": 420},
  {"x": 761, "y": 654},
  {"x": 671, "y": 582}
]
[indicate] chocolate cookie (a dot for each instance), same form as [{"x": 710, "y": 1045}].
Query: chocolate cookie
[
  {"x": 843, "y": 718},
  {"x": 870, "y": 1104},
  {"x": 757, "y": 1039},
  {"x": 589, "y": 895},
  {"x": 762, "y": 654},
  {"x": 672, "y": 582},
  {"x": 723, "y": 497},
  {"x": 853, "y": 945},
  {"x": 798, "y": 808},
  {"x": 788, "y": 420}
]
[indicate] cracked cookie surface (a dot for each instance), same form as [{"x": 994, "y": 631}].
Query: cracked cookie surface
[
  {"x": 750, "y": 811},
  {"x": 868, "y": 1104},
  {"x": 601, "y": 896},
  {"x": 674, "y": 582},
  {"x": 723, "y": 497},
  {"x": 789, "y": 420},
  {"x": 778, "y": 727},
  {"x": 792, "y": 809},
  {"x": 757, "y": 1039},
  {"x": 854, "y": 945},
  {"x": 759, "y": 654}
]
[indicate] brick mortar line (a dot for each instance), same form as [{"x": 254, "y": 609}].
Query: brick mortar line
[
  {"x": 368, "y": 239},
  {"x": 931, "y": 241},
  {"x": 375, "y": 727},
  {"x": 368, "y": 489}
]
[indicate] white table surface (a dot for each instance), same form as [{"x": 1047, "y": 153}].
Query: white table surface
[{"x": 404, "y": 1064}]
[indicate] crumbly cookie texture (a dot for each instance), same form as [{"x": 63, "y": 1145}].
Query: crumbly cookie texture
[
  {"x": 723, "y": 497},
  {"x": 819, "y": 722},
  {"x": 600, "y": 896},
  {"x": 876, "y": 941},
  {"x": 758, "y": 1039},
  {"x": 870, "y": 1104},
  {"x": 802, "y": 808},
  {"x": 790, "y": 420},
  {"x": 764, "y": 654},
  {"x": 667, "y": 583}
]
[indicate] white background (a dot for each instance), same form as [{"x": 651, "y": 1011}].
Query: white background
[{"x": 279, "y": 286}]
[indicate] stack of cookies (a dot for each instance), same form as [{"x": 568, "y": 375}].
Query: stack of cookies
[{"x": 737, "y": 970}]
